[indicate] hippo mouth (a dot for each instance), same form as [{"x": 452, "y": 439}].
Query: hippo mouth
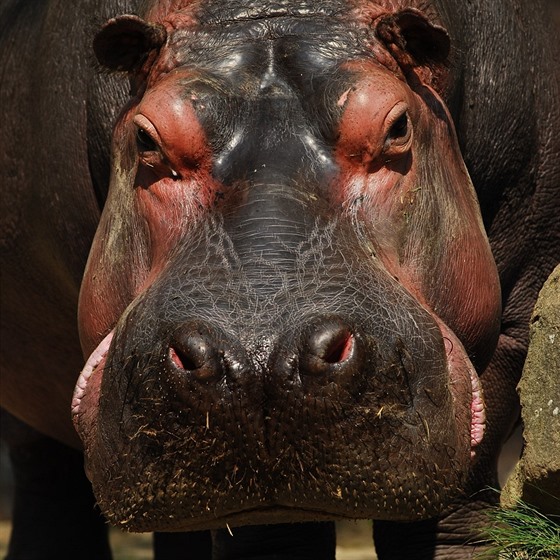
[
  {"x": 96, "y": 361},
  {"x": 477, "y": 409},
  {"x": 85, "y": 400},
  {"x": 268, "y": 509}
]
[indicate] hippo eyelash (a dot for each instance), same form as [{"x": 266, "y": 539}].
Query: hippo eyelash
[{"x": 150, "y": 154}]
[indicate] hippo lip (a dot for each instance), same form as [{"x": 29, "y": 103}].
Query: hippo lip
[
  {"x": 97, "y": 358},
  {"x": 99, "y": 355},
  {"x": 457, "y": 363},
  {"x": 478, "y": 412}
]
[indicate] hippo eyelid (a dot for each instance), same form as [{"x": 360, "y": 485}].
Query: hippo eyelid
[
  {"x": 146, "y": 134},
  {"x": 398, "y": 136},
  {"x": 150, "y": 152}
]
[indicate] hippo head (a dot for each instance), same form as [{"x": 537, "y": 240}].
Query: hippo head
[{"x": 290, "y": 292}]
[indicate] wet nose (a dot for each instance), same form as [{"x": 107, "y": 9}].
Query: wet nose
[
  {"x": 327, "y": 345},
  {"x": 199, "y": 350},
  {"x": 328, "y": 351}
]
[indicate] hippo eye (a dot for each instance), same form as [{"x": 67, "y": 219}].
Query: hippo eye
[
  {"x": 144, "y": 141},
  {"x": 399, "y": 133},
  {"x": 399, "y": 129}
]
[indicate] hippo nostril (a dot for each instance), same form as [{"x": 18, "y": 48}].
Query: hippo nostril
[
  {"x": 194, "y": 354},
  {"x": 196, "y": 349},
  {"x": 332, "y": 345},
  {"x": 339, "y": 348},
  {"x": 328, "y": 345}
]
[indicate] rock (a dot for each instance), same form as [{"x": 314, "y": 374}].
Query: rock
[{"x": 536, "y": 478}]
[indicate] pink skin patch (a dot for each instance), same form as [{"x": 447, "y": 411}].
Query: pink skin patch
[
  {"x": 478, "y": 413},
  {"x": 457, "y": 363},
  {"x": 343, "y": 98},
  {"x": 341, "y": 350},
  {"x": 96, "y": 359}
]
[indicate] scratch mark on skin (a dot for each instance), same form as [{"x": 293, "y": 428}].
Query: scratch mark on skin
[
  {"x": 229, "y": 529},
  {"x": 343, "y": 98},
  {"x": 380, "y": 411},
  {"x": 208, "y": 420}
]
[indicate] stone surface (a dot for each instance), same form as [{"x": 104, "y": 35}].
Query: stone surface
[{"x": 536, "y": 478}]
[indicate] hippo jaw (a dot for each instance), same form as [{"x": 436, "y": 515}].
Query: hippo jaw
[{"x": 291, "y": 299}]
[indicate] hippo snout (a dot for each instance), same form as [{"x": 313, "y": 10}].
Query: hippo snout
[
  {"x": 322, "y": 350},
  {"x": 273, "y": 379},
  {"x": 202, "y": 352}
]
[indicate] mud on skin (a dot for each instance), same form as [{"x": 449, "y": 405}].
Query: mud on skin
[{"x": 291, "y": 311}]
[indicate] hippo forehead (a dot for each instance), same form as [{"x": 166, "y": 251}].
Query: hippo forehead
[
  {"x": 241, "y": 42},
  {"x": 274, "y": 69},
  {"x": 214, "y": 11}
]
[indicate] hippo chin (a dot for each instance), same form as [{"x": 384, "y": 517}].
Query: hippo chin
[{"x": 290, "y": 279}]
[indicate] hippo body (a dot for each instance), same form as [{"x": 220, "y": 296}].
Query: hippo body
[{"x": 291, "y": 312}]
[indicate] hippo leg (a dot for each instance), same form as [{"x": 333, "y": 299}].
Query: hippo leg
[
  {"x": 454, "y": 537},
  {"x": 292, "y": 541},
  {"x": 54, "y": 513},
  {"x": 196, "y": 545}
]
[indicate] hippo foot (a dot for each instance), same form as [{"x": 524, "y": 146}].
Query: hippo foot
[{"x": 454, "y": 537}]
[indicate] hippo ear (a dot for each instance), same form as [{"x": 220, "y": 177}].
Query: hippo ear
[
  {"x": 412, "y": 39},
  {"x": 124, "y": 42}
]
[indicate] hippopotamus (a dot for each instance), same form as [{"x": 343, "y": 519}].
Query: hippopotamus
[{"x": 314, "y": 233}]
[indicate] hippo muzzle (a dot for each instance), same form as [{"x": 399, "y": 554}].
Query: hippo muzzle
[{"x": 290, "y": 291}]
